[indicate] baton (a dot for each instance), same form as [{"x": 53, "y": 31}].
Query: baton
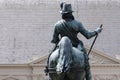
[{"x": 94, "y": 41}]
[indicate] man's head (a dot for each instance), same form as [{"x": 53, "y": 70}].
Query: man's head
[{"x": 65, "y": 8}]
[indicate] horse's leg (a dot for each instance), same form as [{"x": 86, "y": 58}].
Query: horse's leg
[
  {"x": 87, "y": 68},
  {"x": 75, "y": 75},
  {"x": 87, "y": 65},
  {"x": 52, "y": 73}
]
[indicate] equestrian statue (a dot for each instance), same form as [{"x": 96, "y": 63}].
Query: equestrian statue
[{"x": 69, "y": 59}]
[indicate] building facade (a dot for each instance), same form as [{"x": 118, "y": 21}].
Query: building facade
[
  {"x": 26, "y": 29},
  {"x": 103, "y": 67}
]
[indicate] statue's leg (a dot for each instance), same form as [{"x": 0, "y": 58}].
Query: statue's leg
[
  {"x": 81, "y": 48},
  {"x": 46, "y": 68}
]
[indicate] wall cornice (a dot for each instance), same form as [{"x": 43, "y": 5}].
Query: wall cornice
[{"x": 105, "y": 65}]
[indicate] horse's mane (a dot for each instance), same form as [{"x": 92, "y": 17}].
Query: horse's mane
[{"x": 65, "y": 55}]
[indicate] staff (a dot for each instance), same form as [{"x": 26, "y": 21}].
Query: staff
[{"x": 94, "y": 41}]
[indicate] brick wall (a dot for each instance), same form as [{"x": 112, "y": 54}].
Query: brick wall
[{"x": 26, "y": 28}]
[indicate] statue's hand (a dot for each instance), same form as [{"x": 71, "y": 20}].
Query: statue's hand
[{"x": 98, "y": 30}]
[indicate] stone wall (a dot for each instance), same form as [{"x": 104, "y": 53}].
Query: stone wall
[{"x": 26, "y": 26}]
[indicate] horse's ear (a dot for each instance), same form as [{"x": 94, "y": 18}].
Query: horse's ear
[{"x": 58, "y": 43}]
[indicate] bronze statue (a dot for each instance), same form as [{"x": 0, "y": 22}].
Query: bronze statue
[
  {"x": 70, "y": 27},
  {"x": 66, "y": 62}
]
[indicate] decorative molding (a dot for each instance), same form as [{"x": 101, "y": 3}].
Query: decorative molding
[
  {"x": 105, "y": 77},
  {"x": 103, "y": 55},
  {"x": 41, "y": 60},
  {"x": 10, "y": 78},
  {"x": 13, "y": 65},
  {"x": 96, "y": 57}
]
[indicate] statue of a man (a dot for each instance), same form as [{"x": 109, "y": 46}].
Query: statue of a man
[{"x": 70, "y": 27}]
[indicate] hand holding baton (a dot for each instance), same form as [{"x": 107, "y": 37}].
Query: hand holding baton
[{"x": 94, "y": 41}]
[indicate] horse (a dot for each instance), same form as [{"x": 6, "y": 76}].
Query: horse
[{"x": 66, "y": 62}]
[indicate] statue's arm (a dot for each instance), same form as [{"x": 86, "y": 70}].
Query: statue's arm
[
  {"x": 85, "y": 32},
  {"x": 55, "y": 38}
]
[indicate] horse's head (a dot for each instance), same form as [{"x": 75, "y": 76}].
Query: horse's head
[{"x": 65, "y": 52}]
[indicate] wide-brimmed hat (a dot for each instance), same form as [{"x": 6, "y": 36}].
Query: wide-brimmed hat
[{"x": 66, "y": 8}]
